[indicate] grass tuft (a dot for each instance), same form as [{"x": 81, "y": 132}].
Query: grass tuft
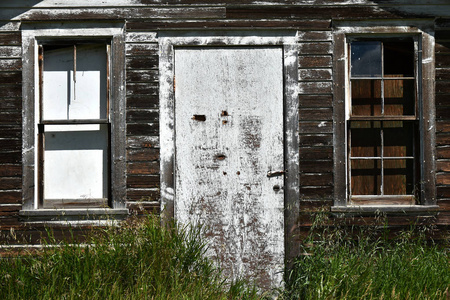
[
  {"x": 355, "y": 263},
  {"x": 142, "y": 260}
]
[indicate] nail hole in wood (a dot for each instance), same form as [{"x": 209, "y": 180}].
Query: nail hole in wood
[{"x": 200, "y": 118}]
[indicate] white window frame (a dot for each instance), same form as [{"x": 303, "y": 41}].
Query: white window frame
[
  {"x": 33, "y": 35},
  {"x": 346, "y": 31}
]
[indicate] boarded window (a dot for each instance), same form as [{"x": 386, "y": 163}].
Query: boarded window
[
  {"x": 73, "y": 125},
  {"x": 383, "y": 122}
]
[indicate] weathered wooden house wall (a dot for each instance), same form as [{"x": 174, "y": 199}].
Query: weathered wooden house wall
[{"x": 314, "y": 22}]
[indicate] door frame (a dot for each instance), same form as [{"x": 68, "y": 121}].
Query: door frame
[{"x": 168, "y": 41}]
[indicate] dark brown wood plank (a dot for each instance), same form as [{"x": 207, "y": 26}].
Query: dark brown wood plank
[
  {"x": 10, "y": 90},
  {"x": 141, "y": 49},
  {"x": 10, "y": 117},
  {"x": 315, "y": 153},
  {"x": 316, "y": 140},
  {"x": 142, "y": 101},
  {"x": 142, "y": 181},
  {"x": 10, "y": 197},
  {"x": 306, "y": 101},
  {"x": 93, "y": 13},
  {"x": 443, "y": 127},
  {"x": 142, "y": 63},
  {"x": 316, "y": 192},
  {"x": 142, "y": 76},
  {"x": 242, "y": 23},
  {"x": 443, "y": 179},
  {"x": 315, "y": 74},
  {"x": 315, "y": 114},
  {"x": 443, "y": 112},
  {"x": 443, "y": 166},
  {"x": 313, "y": 12},
  {"x": 316, "y": 127},
  {"x": 11, "y": 77},
  {"x": 442, "y": 35},
  {"x": 443, "y": 87},
  {"x": 10, "y": 104},
  {"x": 10, "y": 64},
  {"x": 145, "y": 141},
  {"x": 314, "y": 36},
  {"x": 10, "y": 157},
  {"x": 142, "y": 116},
  {"x": 443, "y": 191},
  {"x": 143, "y": 129},
  {"x": 10, "y": 52},
  {"x": 309, "y": 205},
  {"x": 143, "y": 168},
  {"x": 316, "y": 166},
  {"x": 315, "y": 48},
  {"x": 10, "y": 131},
  {"x": 442, "y": 60},
  {"x": 443, "y": 99},
  {"x": 315, "y": 87},
  {"x": 144, "y": 194},
  {"x": 142, "y": 89},
  {"x": 443, "y": 152},
  {"x": 10, "y": 39},
  {"x": 443, "y": 139},
  {"x": 13, "y": 183},
  {"x": 144, "y": 154},
  {"x": 7, "y": 145},
  {"x": 315, "y": 61},
  {"x": 325, "y": 179},
  {"x": 442, "y": 47}
]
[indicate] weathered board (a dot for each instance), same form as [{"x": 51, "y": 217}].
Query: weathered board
[{"x": 229, "y": 148}]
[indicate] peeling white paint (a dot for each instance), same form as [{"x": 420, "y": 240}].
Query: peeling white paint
[{"x": 229, "y": 134}]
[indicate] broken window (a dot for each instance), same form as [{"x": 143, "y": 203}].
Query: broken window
[
  {"x": 383, "y": 121},
  {"x": 73, "y": 141}
]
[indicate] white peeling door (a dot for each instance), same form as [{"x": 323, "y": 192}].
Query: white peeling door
[{"x": 229, "y": 155}]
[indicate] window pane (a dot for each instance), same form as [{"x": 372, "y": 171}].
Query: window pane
[
  {"x": 398, "y": 177},
  {"x": 365, "y": 59},
  {"x": 366, "y": 177},
  {"x": 76, "y": 161},
  {"x": 90, "y": 88},
  {"x": 82, "y": 96},
  {"x": 399, "y": 97},
  {"x": 57, "y": 81},
  {"x": 399, "y": 58},
  {"x": 398, "y": 138},
  {"x": 365, "y": 139},
  {"x": 366, "y": 97}
]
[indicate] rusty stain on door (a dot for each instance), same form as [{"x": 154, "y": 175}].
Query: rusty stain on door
[{"x": 228, "y": 138}]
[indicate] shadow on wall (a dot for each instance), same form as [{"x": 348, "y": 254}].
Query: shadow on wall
[
  {"x": 434, "y": 8},
  {"x": 11, "y": 10}
]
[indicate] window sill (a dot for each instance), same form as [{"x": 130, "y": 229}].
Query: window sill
[
  {"x": 73, "y": 215},
  {"x": 394, "y": 209}
]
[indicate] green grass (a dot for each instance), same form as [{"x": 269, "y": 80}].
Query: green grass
[
  {"x": 143, "y": 260},
  {"x": 336, "y": 265},
  {"x": 140, "y": 261}
]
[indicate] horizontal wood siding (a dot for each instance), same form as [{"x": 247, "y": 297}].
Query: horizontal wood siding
[
  {"x": 142, "y": 120},
  {"x": 312, "y": 19},
  {"x": 316, "y": 119},
  {"x": 10, "y": 125},
  {"x": 443, "y": 119}
]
